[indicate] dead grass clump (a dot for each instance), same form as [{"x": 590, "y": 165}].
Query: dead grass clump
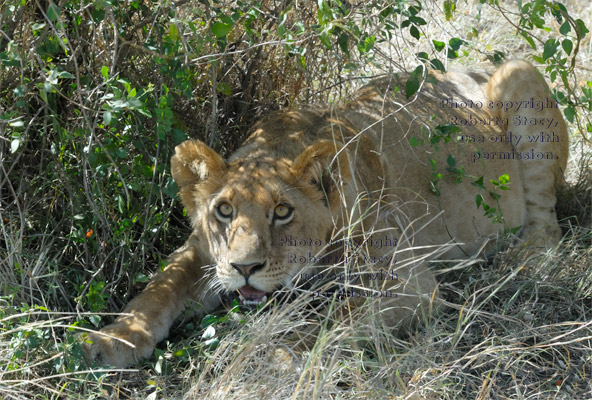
[{"x": 509, "y": 331}]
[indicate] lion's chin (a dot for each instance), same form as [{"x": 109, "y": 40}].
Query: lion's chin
[{"x": 251, "y": 297}]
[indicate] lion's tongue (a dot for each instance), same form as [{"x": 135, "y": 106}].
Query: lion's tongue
[{"x": 251, "y": 294}]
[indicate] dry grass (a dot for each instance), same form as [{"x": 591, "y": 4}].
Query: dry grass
[{"x": 508, "y": 331}]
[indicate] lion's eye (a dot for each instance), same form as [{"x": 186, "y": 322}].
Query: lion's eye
[
  {"x": 224, "y": 211},
  {"x": 282, "y": 212}
]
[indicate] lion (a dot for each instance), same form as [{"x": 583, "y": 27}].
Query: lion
[{"x": 470, "y": 158}]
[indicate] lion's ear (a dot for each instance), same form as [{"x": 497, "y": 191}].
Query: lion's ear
[
  {"x": 194, "y": 163},
  {"x": 325, "y": 165}
]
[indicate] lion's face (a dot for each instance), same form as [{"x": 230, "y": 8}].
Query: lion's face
[
  {"x": 252, "y": 220},
  {"x": 263, "y": 220}
]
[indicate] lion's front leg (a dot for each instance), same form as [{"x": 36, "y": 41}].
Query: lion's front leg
[{"x": 146, "y": 320}]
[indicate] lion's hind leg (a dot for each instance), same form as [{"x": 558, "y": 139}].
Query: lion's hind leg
[{"x": 518, "y": 94}]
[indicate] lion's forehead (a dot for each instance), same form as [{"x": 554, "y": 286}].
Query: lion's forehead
[
  {"x": 244, "y": 191},
  {"x": 256, "y": 182},
  {"x": 263, "y": 167}
]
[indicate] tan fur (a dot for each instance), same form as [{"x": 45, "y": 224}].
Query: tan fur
[{"x": 351, "y": 168}]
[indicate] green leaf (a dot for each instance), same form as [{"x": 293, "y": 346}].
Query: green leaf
[
  {"x": 174, "y": 32},
  {"x": 367, "y": 44},
  {"x": 159, "y": 354},
  {"x": 413, "y": 10},
  {"x": 417, "y": 20},
  {"x": 107, "y": 117},
  {"x": 65, "y": 74},
  {"x": 514, "y": 230},
  {"x": 14, "y": 145},
  {"x": 226, "y": 19},
  {"x": 178, "y": 136},
  {"x": 434, "y": 188},
  {"x": 170, "y": 189},
  {"x": 105, "y": 72},
  {"x": 479, "y": 183},
  {"x": 423, "y": 56},
  {"x": 43, "y": 95},
  {"x": 439, "y": 45},
  {"x": 17, "y": 124},
  {"x": 433, "y": 163},
  {"x": 449, "y": 8},
  {"x": 455, "y": 43},
  {"x": 538, "y": 59},
  {"x": 528, "y": 39},
  {"x": 343, "y": 42},
  {"x": 224, "y": 88},
  {"x": 95, "y": 320},
  {"x": 38, "y": 27},
  {"x": 437, "y": 64},
  {"x": 48, "y": 87},
  {"x": 209, "y": 320},
  {"x": 567, "y": 46},
  {"x": 213, "y": 343},
  {"x": 121, "y": 204},
  {"x": 581, "y": 28},
  {"x": 559, "y": 97},
  {"x": 549, "y": 49},
  {"x": 569, "y": 113},
  {"x": 478, "y": 200},
  {"x": 565, "y": 28},
  {"x": 414, "y": 32},
  {"x": 121, "y": 153},
  {"x": 451, "y": 161},
  {"x": 53, "y": 12},
  {"x": 324, "y": 37},
  {"x": 411, "y": 86},
  {"x": 447, "y": 130},
  {"x": 220, "y": 29},
  {"x": 125, "y": 84}
]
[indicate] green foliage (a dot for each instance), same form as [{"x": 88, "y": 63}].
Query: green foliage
[
  {"x": 29, "y": 335},
  {"x": 446, "y": 133},
  {"x": 495, "y": 213},
  {"x": 559, "y": 54}
]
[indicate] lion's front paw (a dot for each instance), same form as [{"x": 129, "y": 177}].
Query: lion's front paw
[{"x": 119, "y": 344}]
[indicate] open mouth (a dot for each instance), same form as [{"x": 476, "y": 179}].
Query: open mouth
[{"x": 249, "y": 296}]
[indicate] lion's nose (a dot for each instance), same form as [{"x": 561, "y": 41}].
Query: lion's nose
[{"x": 247, "y": 270}]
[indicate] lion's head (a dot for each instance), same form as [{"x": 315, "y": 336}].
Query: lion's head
[{"x": 263, "y": 217}]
